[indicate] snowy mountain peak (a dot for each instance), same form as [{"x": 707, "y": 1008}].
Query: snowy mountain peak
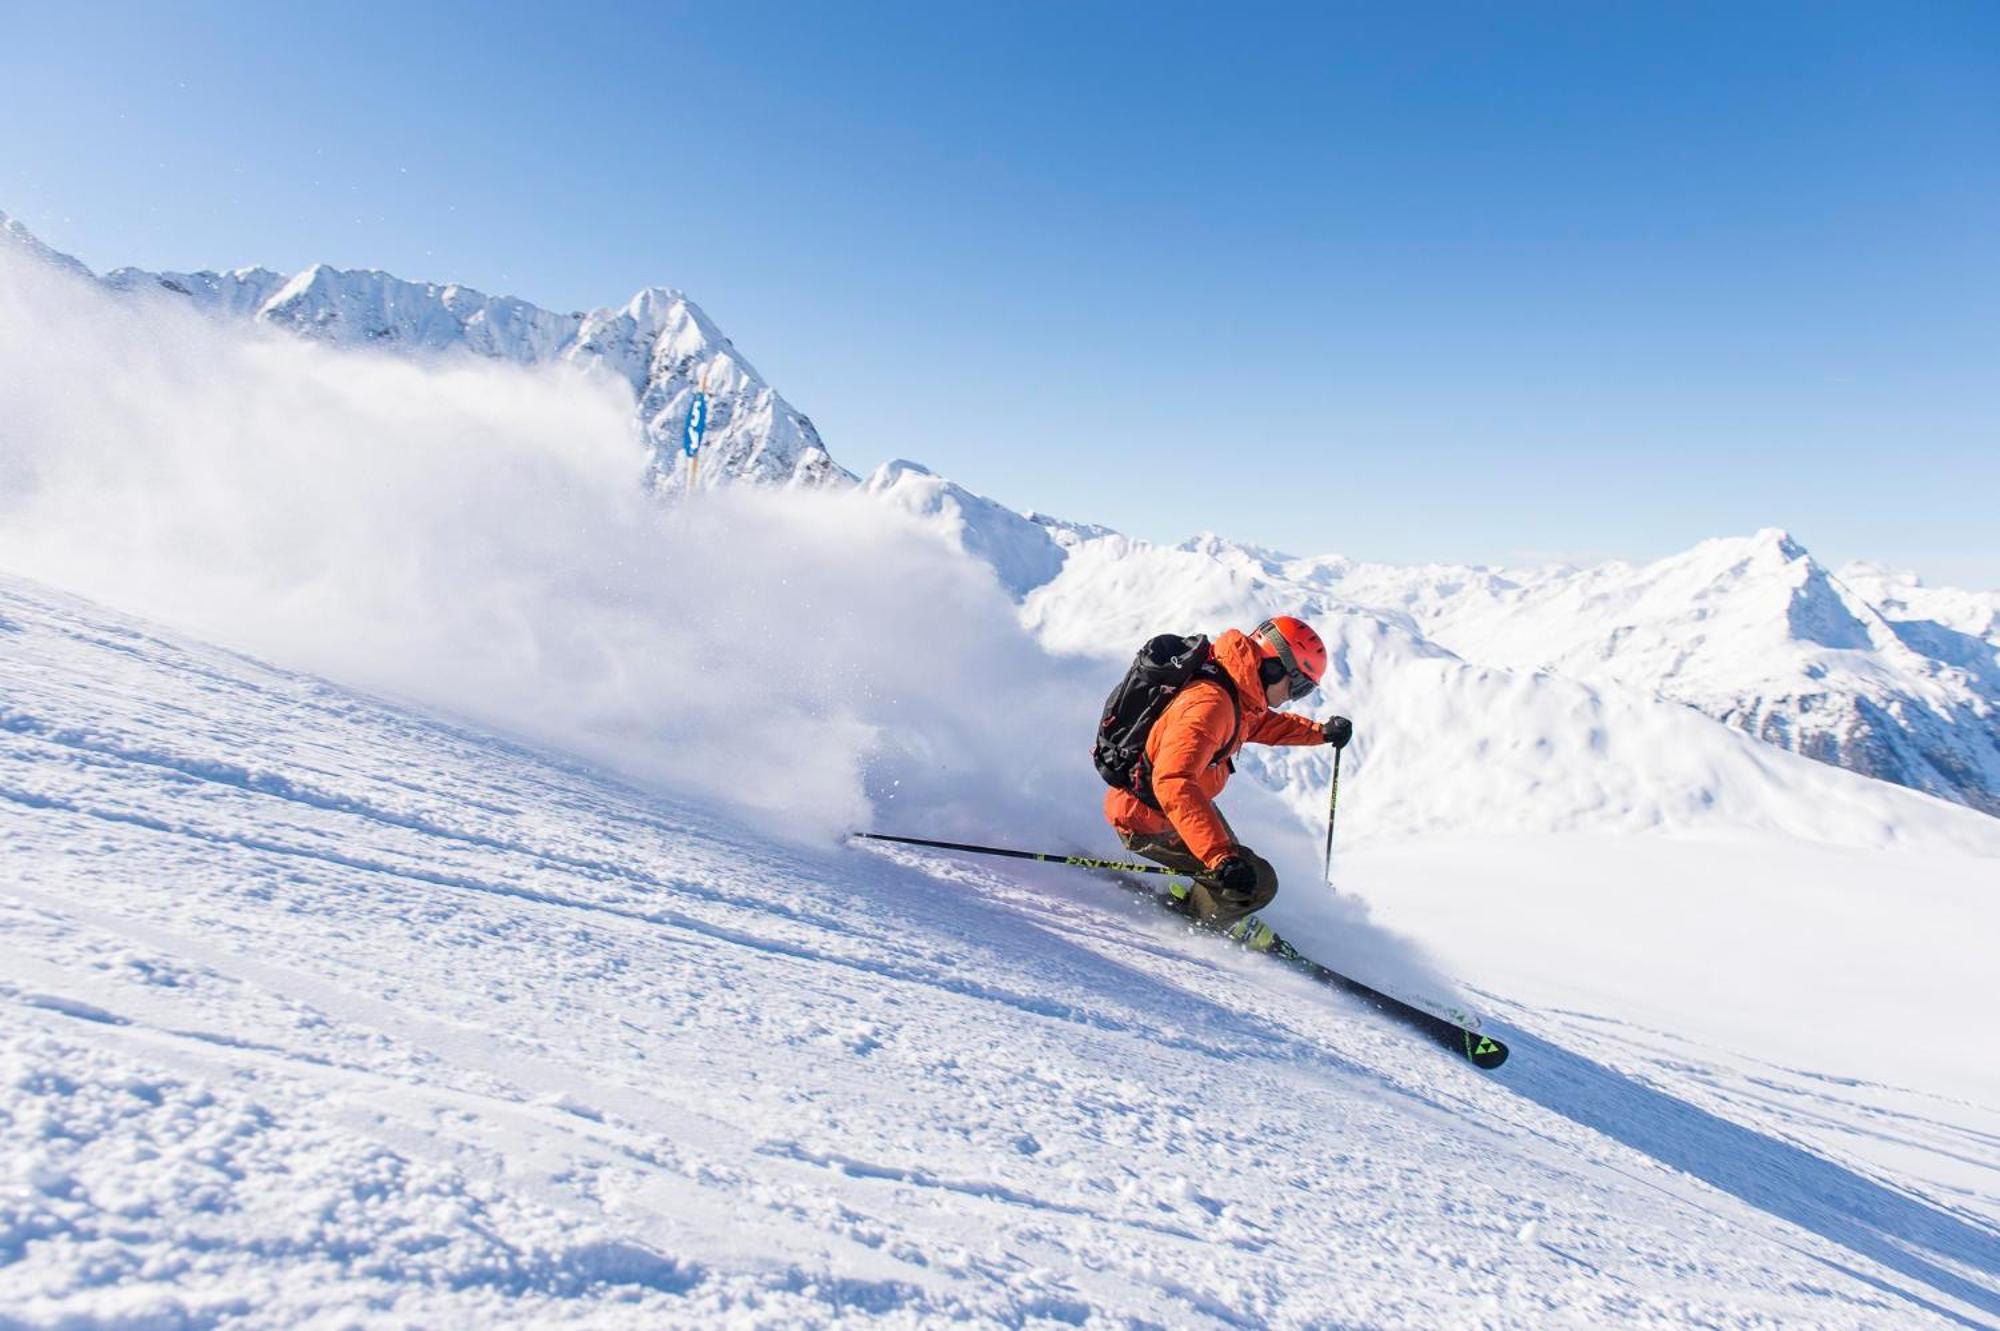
[
  {"x": 316, "y": 280},
  {"x": 659, "y": 342},
  {"x": 659, "y": 309},
  {"x": 13, "y": 233},
  {"x": 1904, "y": 596},
  {"x": 1770, "y": 583},
  {"x": 1736, "y": 557},
  {"x": 1779, "y": 543},
  {"x": 369, "y": 307},
  {"x": 1023, "y": 553},
  {"x": 1256, "y": 559},
  {"x": 1065, "y": 532},
  {"x": 1221, "y": 547}
]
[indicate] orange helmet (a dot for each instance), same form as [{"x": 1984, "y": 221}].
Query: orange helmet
[{"x": 1292, "y": 646}]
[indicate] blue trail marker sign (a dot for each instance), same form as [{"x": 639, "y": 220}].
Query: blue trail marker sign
[{"x": 697, "y": 424}]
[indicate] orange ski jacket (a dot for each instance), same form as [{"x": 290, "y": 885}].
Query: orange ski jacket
[{"x": 1190, "y": 748}]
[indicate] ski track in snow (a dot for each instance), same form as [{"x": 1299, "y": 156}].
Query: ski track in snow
[{"x": 314, "y": 1010}]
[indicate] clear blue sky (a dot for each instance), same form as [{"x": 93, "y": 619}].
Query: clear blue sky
[{"x": 1478, "y": 282}]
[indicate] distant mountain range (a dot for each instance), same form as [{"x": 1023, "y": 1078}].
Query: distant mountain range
[
  {"x": 1863, "y": 668},
  {"x": 659, "y": 342}
]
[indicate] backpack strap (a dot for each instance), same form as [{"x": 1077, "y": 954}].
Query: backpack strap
[{"x": 1212, "y": 671}]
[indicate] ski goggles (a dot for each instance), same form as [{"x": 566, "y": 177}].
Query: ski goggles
[{"x": 1296, "y": 679}]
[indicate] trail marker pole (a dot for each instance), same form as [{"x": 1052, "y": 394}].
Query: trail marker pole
[{"x": 696, "y": 427}]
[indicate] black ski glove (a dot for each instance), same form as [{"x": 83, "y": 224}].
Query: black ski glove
[
  {"x": 1338, "y": 730},
  {"x": 1236, "y": 878}
]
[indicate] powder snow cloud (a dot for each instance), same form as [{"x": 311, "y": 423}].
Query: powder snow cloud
[{"x": 478, "y": 537}]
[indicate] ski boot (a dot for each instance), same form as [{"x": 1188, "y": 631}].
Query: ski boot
[{"x": 1253, "y": 935}]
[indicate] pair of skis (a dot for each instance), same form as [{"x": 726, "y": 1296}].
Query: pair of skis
[{"x": 1457, "y": 1035}]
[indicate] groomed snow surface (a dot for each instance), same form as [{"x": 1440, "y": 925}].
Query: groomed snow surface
[{"x": 315, "y": 1011}]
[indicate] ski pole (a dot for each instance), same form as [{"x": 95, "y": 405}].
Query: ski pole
[
  {"x": 1048, "y": 857},
  {"x": 1332, "y": 802}
]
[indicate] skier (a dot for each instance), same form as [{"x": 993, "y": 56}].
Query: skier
[
  {"x": 1170, "y": 816},
  {"x": 1165, "y": 741}
]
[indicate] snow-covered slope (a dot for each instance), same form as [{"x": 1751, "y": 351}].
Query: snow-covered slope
[
  {"x": 314, "y": 1009},
  {"x": 659, "y": 343}
]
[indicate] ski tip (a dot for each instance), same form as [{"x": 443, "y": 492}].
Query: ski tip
[{"x": 1484, "y": 1051}]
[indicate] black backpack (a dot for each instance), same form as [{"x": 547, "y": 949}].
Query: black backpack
[{"x": 1165, "y": 665}]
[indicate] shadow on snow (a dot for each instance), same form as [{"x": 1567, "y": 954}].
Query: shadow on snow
[{"x": 1902, "y": 1233}]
